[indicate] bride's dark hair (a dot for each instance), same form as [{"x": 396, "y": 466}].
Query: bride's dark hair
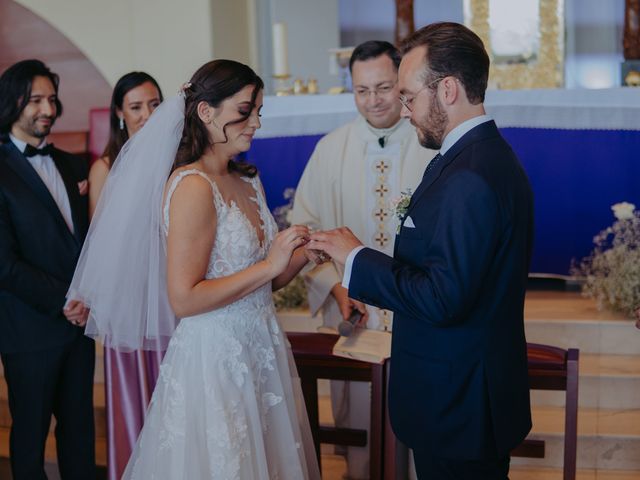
[{"x": 213, "y": 83}]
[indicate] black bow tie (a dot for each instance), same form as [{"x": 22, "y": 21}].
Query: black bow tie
[{"x": 31, "y": 151}]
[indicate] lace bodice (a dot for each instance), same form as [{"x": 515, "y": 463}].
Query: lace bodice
[
  {"x": 237, "y": 244},
  {"x": 224, "y": 406}
]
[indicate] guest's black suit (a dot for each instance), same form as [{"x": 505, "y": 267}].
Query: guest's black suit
[
  {"x": 459, "y": 384},
  {"x": 48, "y": 363}
]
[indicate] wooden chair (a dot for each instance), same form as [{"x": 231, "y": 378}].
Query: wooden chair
[
  {"x": 552, "y": 368},
  {"x": 314, "y": 360}
]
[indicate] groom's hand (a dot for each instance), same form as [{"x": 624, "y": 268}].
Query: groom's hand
[{"x": 338, "y": 243}]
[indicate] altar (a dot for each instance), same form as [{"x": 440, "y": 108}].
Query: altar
[{"x": 580, "y": 149}]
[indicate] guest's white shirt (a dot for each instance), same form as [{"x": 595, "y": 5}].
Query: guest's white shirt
[
  {"x": 47, "y": 171},
  {"x": 449, "y": 141}
]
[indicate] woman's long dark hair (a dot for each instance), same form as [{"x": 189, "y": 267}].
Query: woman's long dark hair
[
  {"x": 213, "y": 83},
  {"x": 118, "y": 137}
]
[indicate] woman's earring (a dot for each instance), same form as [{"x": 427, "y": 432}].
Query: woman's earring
[{"x": 121, "y": 123}]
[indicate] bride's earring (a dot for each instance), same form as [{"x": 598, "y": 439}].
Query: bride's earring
[{"x": 121, "y": 123}]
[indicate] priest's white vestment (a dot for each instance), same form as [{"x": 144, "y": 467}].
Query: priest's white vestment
[{"x": 350, "y": 180}]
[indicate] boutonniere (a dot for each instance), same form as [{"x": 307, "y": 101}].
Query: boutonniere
[
  {"x": 400, "y": 205},
  {"x": 83, "y": 187}
]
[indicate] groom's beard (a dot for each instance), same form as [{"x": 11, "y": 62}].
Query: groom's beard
[{"x": 431, "y": 129}]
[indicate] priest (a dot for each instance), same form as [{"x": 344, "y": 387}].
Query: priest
[{"x": 353, "y": 178}]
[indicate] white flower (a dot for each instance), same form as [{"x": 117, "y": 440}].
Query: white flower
[
  {"x": 612, "y": 271},
  {"x": 398, "y": 206},
  {"x": 623, "y": 210}
]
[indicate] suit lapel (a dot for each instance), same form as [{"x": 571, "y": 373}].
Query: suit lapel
[
  {"x": 484, "y": 130},
  {"x": 21, "y": 166},
  {"x": 71, "y": 186}
]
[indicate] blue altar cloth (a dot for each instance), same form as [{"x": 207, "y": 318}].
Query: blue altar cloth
[{"x": 576, "y": 173}]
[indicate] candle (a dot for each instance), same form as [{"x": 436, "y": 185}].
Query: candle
[{"x": 280, "y": 61}]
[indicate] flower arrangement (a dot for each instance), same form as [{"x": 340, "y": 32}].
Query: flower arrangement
[
  {"x": 400, "y": 205},
  {"x": 612, "y": 271},
  {"x": 293, "y": 295},
  {"x": 282, "y": 214}
]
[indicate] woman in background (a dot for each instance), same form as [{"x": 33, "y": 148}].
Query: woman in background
[
  {"x": 129, "y": 376},
  {"x": 135, "y": 97},
  {"x": 201, "y": 247}
]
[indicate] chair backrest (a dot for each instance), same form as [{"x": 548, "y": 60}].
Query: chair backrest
[
  {"x": 553, "y": 368},
  {"x": 98, "y": 131}
]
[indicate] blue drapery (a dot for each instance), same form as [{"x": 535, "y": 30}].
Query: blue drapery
[{"x": 576, "y": 176}]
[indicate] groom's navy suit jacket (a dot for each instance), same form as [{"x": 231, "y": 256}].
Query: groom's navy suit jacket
[
  {"x": 459, "y": 383},
  {"x": 38, "y": 252}
]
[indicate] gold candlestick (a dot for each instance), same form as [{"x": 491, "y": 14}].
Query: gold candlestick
[{"x": 282, "y": 86}]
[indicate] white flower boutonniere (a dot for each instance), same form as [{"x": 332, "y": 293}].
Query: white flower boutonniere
[{"x": 400, "y": 205}]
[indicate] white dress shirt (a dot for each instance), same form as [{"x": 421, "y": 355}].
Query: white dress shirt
[
  {"x": 47, "y": 171},
  {"x": 449, "y": 141}
]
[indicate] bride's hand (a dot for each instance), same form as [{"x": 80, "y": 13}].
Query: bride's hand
[
  {"x": 316, "y": 256},
  {"x": 283, "y": 245}
]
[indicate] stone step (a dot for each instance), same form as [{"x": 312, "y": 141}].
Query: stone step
[
  {"x": 608, "y": 439},
  {"x": 567, "y": 320},
  {"x": 523, "y": 473},
  {"x": 606, "y": 381},
  {"x": 561, "y": 319}
]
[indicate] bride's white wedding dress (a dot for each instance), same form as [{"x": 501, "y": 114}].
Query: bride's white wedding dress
[{"x": 226, "y": 405}]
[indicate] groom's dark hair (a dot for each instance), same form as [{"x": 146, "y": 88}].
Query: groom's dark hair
[
  {"x": 453, "y": 50},
  {"x": 374, "y": 49},
  {"x": 15, "y": 90}
]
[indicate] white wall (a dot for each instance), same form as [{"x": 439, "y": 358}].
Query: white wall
[
  {"x": 594, "y": 43},
  {"x": 167, "y": 39},
  {"x": 313, "y": 29},
  {"x": 171, "y": 39},
  {"x": 234, "y": 31}
]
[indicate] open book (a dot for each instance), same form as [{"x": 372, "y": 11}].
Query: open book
[{"x": 366, "y": 345}]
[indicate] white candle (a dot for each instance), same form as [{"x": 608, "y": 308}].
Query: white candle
[{"x": 280, "y": 60}]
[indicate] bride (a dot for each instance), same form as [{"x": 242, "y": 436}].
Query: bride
[{"x": 202, "y": 247}]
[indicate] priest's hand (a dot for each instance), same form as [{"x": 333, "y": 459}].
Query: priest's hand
[
  {"x": 338, "y": 243},
  {"x": 347, "y": 304}
]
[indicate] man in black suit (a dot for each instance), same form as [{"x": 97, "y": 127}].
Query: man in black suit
[
  {"x": 459, "y": 393},
  {"x": 48, "y": 362}
]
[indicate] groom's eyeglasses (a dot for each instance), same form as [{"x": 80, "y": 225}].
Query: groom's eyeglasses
[{"x": 407, "y": 102}]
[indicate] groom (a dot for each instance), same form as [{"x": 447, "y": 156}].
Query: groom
[
  {"x": 48, "y": 362},
  {"x": 459, "y": 393}
]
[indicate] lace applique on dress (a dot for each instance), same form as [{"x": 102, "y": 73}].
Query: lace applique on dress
[{"x": 224, "y": 405}]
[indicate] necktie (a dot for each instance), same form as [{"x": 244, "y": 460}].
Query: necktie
[
  {"x": 31, "y": 151},
  {"x": 432, "y": 164}
]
